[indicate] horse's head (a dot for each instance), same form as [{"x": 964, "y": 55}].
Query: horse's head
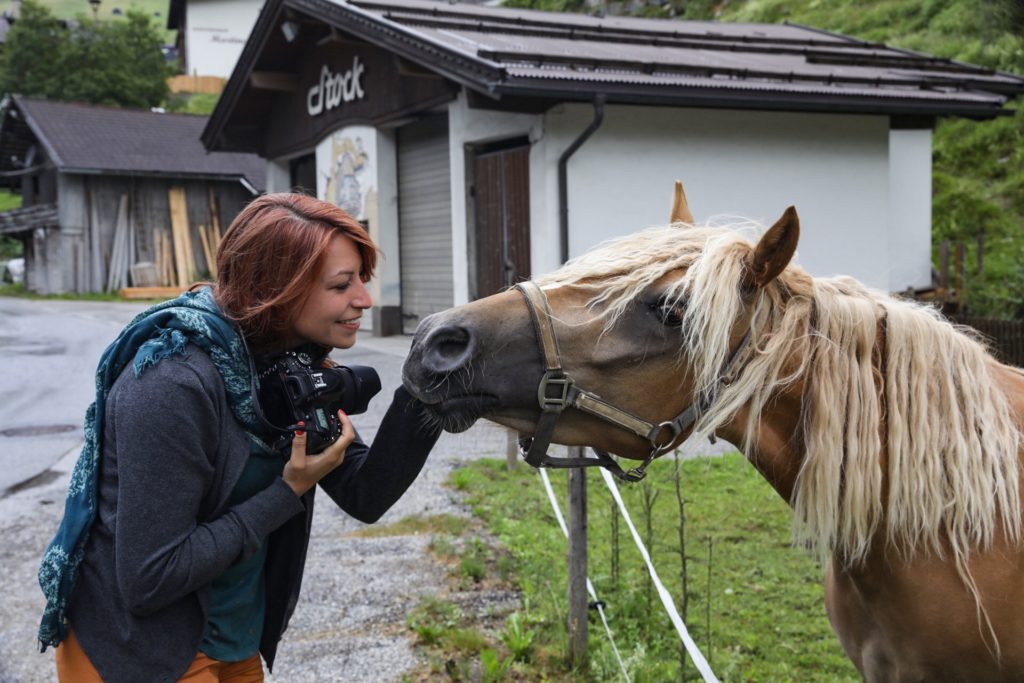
[{"x": 647, "y": 322}]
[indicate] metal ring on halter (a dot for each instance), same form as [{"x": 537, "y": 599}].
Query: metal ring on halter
[{"x": 672, "y": 427}]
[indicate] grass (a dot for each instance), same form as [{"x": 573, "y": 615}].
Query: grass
[
  {"x": 432, "y": 524},
  {"x": 20, "y": 291},
  {"x": 192, "y": 103},
  {"x": 760, "y": 617},
  {"x": 71, "y": 9},
  {"x": 9, "y": 200},
  {"x": 9, "y": 247}
]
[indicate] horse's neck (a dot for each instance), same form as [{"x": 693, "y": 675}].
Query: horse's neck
[{"x": 777, "y": 450}]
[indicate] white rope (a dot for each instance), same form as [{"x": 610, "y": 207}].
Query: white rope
[
  {"x": 666, "y": 599},
  {"x": 590, "y": 586}
]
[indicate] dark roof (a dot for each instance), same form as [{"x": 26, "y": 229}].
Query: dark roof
[
  {"x": 536, "y": 52},
  {"x": 513, "y": 55},
  {"x": 89, "y": 138}
]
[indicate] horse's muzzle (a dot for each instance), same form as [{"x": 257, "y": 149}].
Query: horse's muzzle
[{"x": 440, "y": 350}]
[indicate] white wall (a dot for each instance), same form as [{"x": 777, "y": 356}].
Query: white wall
[
  {"x": 216, "y": 31},
  {"x": 910, "y": 209},
  {"x": 389, "y": 268},
  {"x": 833, "y": 168},
  {"x": 278, "y": 176},
  {"x": 477, "y": 126}
]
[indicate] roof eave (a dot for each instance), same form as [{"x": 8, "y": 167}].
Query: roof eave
[
  {"x": 454, "y": 65},
  {"x": 721, "y": 98},
  {"x": 226, "y": 177}
]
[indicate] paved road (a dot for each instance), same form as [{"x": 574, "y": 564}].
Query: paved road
[{"x": 48, "y": 355}]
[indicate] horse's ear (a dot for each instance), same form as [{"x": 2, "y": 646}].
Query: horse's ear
[
  {"x": 773, "y": 253},
  {"x": 680, "y": 207}
]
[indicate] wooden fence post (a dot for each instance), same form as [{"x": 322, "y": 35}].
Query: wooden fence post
[
  {"x": 511, "y": 449},
  {"x": 577, "y": 562}
]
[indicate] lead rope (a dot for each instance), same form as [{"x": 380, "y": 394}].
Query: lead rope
[
  {"x": 666, "y": 599},
  {"x": 590, "y": 587}
]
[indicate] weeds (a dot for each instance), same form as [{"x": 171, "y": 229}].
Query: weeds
[
  {"x": 492, "y": 666},
  {"x": 517, "y": 637},
  {"x": 432, "y": 619}
]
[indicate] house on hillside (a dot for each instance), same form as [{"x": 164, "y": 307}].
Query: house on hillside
[
  {"x": 483, "y": 145},
  {"x": 106, "y": 189},
  {"x": 211, "y": 33}
]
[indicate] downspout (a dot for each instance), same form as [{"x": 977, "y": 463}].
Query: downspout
[{"x": 563, "y": 176}]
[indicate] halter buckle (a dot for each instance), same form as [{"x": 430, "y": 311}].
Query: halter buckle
[
  {"x": 640, "y": 471},
  {"x": 562, "y": 384}
]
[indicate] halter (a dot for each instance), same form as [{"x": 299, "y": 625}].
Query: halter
[{"x": 558, "y": 391}]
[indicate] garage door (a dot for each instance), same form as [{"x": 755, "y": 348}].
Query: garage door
[{"x": 424, "y": 219}]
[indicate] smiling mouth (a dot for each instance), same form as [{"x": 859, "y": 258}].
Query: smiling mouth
[{"x": 350, "y": 321}]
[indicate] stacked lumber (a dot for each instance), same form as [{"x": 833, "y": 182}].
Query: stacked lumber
[
  {"x": 214, "y": 233},
  {"x": 175, "y": 264},
  {"x": 150, "y": 292},
  {"x": 183, "y": 260},
  {"x": 122, "y": 252},
  {"x": 163, "y": 258}
]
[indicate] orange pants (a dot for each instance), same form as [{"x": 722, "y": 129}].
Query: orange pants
[{"x": 73, "y": 666}]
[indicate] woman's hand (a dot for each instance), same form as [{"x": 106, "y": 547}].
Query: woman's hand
[{"x": 302, "y": 471}]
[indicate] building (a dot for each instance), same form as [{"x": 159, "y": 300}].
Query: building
[
  {"x": 98, "y": 185},
  {"x": 211, "y": 33},
  {"x": 481, "y": 145}
]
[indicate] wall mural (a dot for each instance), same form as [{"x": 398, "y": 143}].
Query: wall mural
[{"x": 346, "y": 170}]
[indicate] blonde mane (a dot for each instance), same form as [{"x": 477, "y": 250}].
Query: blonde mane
[{"x": 951, "y": 468}]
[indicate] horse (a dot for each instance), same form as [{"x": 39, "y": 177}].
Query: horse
[{"x": 894, "y": 435}]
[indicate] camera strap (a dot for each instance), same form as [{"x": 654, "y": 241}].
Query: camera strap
[{"x": 254, "y": 388}]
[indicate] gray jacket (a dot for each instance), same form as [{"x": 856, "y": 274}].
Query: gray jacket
[{"x": 172, "y": 454}]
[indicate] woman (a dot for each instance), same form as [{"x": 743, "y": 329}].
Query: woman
[{"x": 184, "y": 538}]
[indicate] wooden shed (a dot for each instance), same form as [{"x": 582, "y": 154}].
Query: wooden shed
[{"x": 116, "y": 197}]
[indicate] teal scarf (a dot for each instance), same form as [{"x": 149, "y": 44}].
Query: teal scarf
[{"x": 153, "y": 335}]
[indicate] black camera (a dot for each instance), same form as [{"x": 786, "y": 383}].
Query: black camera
[{"x": 293, "y": 389}]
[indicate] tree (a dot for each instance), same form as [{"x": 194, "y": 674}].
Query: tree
[
  {"x": 119, "y": 63},
  {"x": 32, "y": 59}
]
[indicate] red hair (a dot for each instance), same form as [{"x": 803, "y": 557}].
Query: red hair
[{"x": 270, "y": 257}]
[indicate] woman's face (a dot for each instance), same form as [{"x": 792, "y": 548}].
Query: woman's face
[{"x": 331, "y": 314}]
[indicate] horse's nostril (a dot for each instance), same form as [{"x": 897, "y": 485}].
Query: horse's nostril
[{"x": 448, "y": 348}]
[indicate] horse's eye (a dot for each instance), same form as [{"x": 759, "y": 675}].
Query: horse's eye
[{"x": 669, "y": 311}]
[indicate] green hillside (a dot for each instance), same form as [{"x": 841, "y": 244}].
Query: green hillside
[
  {"x": 978, "y": 167},
  {"x": 69, "y": 9}
]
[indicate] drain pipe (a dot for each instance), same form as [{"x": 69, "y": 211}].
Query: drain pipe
[{"x": 563, "y": 176}]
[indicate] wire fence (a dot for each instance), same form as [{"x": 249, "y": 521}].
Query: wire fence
[{"x": 1006, "y": 337}]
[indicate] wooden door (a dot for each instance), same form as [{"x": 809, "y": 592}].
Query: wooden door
[{"x": 501, "y": 192}]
